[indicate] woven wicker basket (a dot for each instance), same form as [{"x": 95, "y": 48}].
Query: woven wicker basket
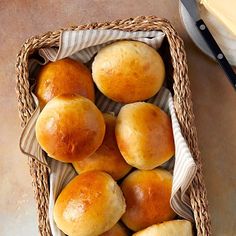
[{"x": 178, "y": 83}]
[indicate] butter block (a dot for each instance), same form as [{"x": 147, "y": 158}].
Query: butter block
[{"x": 224, "y": 10}]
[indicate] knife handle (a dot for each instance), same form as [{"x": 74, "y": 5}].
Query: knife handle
[{"x": 219, "y": 55}]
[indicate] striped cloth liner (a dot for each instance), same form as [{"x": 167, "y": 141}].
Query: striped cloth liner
[{"x": 83, "y": 45}]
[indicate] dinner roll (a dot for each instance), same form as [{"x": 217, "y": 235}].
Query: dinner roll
[
  {"x": 70, "y": 128},
  {"x": 117, "y": 230},
  {"x": 89, "y": 205},
  {"x": 168, "y": 228},
  {"x": 147, "y": 195},
  {"x": 128, "y": 71},
  {"x": 63, "y": 76},
  {"x": 144, "y": 135},
  {"x": 107, "y": 157}
]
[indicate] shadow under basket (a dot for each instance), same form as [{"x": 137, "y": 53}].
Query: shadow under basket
[{"x": 174, "y": 56}]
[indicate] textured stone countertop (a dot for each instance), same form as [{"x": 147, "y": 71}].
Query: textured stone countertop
[{"x": 214, "y": 105}]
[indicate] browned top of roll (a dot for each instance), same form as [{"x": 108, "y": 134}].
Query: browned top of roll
[
  {"x": 89, "y": 205},
  {"x": 117, "y": 230},
  {"x": 128, "y": 71},
  {"x": 147, "y": 195},
  {"x": 107, "y": 157},
  {"x": 144, "y": 135},
  {"x": 61, "y": 77},
  {"x": 70, "y": 128},
  {"x": 168, "y": 228}
]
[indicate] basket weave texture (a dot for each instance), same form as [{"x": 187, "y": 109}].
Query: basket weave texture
[{"x": 182, "y": 103}]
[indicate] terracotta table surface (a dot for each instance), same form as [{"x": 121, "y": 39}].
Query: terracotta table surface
[{"x": 214, "y": 105}]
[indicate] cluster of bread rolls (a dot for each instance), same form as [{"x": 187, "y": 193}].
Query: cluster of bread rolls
[{"x": 103, "y": 148}]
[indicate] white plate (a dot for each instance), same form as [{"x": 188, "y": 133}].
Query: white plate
[{"x": 196, "y": 36}]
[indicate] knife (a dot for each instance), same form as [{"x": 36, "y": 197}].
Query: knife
[{"x": 192, "y": 8}]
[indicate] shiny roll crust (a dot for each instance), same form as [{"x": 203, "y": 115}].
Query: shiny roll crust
[
  {"x": 117, "y": 230},
  {"x": 147, "y": 195},
  {"x": 91, "y": 204},
  {"x": 144, "y": 135},
  {"x": 61, "y": 77},
  {"x": 70, "y": 128},
  {"x": 107, "y": 157},
  {"x": 128, "y": 71},
  {"x": 168, "y": 228}
]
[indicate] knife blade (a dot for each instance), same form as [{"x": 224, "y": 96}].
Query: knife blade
[{"x": 192, "y": 9}]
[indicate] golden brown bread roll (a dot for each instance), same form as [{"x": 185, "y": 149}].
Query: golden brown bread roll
[
  {"x": 147, "y": 195},
  {"x": 61, "y": 77},
  {"x": 168, "y": 228},
  {"x": 89, "y": 205},
  {"x": 144, "y": 135},
  {"x": 128, "y": 71},
  {"x": 117, "y": 230},
  {"x": 70, "y": 128},
  {"x": 107, "y": 157}
]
